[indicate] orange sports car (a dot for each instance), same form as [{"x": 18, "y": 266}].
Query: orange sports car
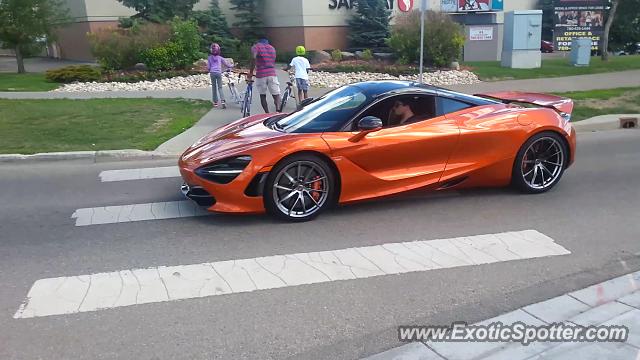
[{"x": 375, "y": 139}]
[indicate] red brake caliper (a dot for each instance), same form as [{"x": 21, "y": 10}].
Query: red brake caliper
[{"x": 316, "y": 185}]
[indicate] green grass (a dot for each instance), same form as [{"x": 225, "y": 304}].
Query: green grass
[
  {"x": 32, "y": 126},
  {"x": 601, "y": 102},
  {"x": 25, "y": 82},
  {"x": 492, "y": 71}
]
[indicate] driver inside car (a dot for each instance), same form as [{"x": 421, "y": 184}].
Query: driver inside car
[{"x": 403, "y": 113}]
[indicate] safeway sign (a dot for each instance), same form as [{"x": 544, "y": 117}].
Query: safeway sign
[{"x": 405, "y": 5}]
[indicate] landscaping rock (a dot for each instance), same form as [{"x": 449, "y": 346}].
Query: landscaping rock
[
  {"x": 348, "y": 55},
  {"x": 359, "y": 54},
  {"x": 202, "y": 63},
  {"x": 383, "y": 56},
  {"x": 455, "y": 65},
  {"x": 438, "y": 78},
  {"x": 140, "y": 67},
  {"x": 320, "y": 56},
  {"x": 176, "y": 83},
  {"x": 316, "y": 79}
]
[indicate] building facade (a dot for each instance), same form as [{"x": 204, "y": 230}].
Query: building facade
[{"x": 318, "y": 24}]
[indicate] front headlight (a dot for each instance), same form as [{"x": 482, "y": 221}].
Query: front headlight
[{"x": 225, "y": 170}]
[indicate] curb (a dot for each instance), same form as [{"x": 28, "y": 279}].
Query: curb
[
  {"x": 589, "y": 306},
  {"x": 94, "y": 156},
  {"x": 602, "y": 123}
]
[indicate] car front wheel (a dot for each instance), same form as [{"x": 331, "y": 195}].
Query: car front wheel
[{"x": 299, "y": 188}]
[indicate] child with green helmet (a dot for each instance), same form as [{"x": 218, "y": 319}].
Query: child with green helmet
[{"x": 302, "y": 67}]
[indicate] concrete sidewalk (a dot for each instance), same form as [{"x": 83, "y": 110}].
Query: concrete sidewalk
[{"x": 613, "y": 302}]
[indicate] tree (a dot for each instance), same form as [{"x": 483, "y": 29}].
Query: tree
[
  {"x": 547, "y": 19},
  {"x": 160, "y": 10},
  {"x": 607, "y": 27},
  {"x": 370, "y": 25},
  {"x": 250, "y": 22},
  {"x": 216, "y": 29},
  {"x": 625, "y": 31},
  {"x": 25, "y": 22},
  {"x": 443, "y": 38}
]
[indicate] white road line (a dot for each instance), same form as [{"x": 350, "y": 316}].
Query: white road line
[
  {"x": 137, "y": 212},
  {"x": 74, "y": 294},
  {"x": 139, "y": 174}
]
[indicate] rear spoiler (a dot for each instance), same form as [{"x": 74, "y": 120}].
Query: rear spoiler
[{"x": 560, "y": 104}]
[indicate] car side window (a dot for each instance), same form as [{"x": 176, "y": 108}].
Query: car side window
[
  {"x": 447, "y": 105},
  {"x": 401, "y": 110}
]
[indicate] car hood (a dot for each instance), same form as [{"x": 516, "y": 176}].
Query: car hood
[{"x": 233, "y": 139}]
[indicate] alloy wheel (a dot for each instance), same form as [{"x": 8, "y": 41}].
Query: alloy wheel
[
  {"x": 542, "y": 163},
  {"x": 300, "y": 189}
]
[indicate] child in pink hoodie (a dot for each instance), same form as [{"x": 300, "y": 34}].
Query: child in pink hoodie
[{"x": 214, "y": 66}]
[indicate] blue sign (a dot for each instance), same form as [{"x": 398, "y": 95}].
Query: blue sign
[{"x": 497, "y": 5}]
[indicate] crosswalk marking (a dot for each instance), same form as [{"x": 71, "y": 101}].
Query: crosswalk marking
[
  {"x": 137, "y": 212},
  {"x": 139, "y": 174},
  {"x": 74, "y": 294}
]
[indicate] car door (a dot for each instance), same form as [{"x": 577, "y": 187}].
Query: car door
[{"x": 395, "y": 158}]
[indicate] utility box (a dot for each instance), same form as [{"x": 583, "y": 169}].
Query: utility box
[
  {"x": 580, "y": 51},
  {"x": 483, "y": 36},
  {"x": 522, "y": 39}
]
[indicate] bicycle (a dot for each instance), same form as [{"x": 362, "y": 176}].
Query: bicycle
[
  {"x": 288, "y": 92},
  {"x": 244, "y": 98}
]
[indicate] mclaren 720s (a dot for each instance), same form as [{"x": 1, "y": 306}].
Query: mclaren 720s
[{"x": 375, "y": 139}]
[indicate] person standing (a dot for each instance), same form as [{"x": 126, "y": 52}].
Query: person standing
[
  {"x": 264, "y": 63},
  {"x": 302, "y": 67},
  {"x": 214, "y": 66}
]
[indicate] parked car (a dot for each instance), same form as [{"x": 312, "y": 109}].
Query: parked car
[
  {"x": 546, "y": 46},
  {"x": 630, "y": 49}
]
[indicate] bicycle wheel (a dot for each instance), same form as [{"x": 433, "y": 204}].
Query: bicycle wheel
[
  {"x": 246, "y": 107},
  {"x": 285, "y": 97},
  {"x": 233, "y": 92}
]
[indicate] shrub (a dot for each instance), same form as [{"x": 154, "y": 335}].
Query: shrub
[
  {"x": 185, "y": 41},
  {"x": 67, "y": 74},
  {"x": 367, "y": 55},
  {"x": 336, "y": 55},
  {"x": 162, "y": 57},
  {"x": 121, "y": 48},
  {"x": 444, "y": 38}
]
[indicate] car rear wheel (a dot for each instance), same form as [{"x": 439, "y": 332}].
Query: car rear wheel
[
  {"x": 540, "y": 163},
  {"x": 299, "y": 188}
]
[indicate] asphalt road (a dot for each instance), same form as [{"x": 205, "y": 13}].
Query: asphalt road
[{"x": 593, "y": 213}]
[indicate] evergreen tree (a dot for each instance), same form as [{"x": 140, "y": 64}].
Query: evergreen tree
[
  {"x": 250, "y": 21},
  {"x": 216, "y": 30},
  {"x": 160, "y": 10},
  {"x": 370, "y": 25},
  {"x": 213, "y": 21}
]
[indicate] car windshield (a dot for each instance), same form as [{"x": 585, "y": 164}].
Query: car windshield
[{"x": 328, "y": 113}]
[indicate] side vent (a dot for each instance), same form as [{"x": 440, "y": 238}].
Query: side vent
[{"x": 453, "y": 182}]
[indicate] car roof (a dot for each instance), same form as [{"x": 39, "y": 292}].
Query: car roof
[{"x": 374, "y": 89}]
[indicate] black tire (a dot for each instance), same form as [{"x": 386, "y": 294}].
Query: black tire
[
  {"x": 278, "y": 199},
  {"x": 544, "y": 154},
  {"x": 285, "y": 97}
]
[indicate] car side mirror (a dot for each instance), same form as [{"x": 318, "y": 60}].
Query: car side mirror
[
  {"x": 305, "y": 102},
  {"x": 366, "y": 125},
  {"x": 369, "y": 123}
]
